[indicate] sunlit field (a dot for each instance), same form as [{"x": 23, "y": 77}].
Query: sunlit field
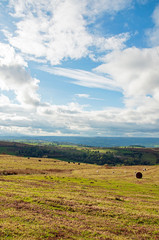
[{"x": 51, "y": 199}]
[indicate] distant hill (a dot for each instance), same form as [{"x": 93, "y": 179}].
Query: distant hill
[{"x": 95, "y": 141}]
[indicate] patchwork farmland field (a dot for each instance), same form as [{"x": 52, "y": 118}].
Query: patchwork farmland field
[{"x": 51, "y": 199}]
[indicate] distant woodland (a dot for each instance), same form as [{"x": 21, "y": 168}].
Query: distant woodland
[{"x": 134, "y": 155}]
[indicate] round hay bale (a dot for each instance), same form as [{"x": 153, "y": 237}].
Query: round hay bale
[{"x": 139, "y": 175}]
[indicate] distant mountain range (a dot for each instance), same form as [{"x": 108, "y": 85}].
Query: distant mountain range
[{"x": 92, "y": 141}]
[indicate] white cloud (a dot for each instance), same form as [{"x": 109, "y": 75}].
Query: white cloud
[
  {"x": 61, "y": 33},
  {"x": 111, "y": 43},
  {"x": 136, "y": 72},
  {"x": 8, "y": 56},
  {"x": 87, "y": 96},
  {"x": 23, "y": 7},
  {"x": 82, "y": 95},
  {"x": 97, "y": 6},
  {"x": 4, "y": 100},
  {"x": 95, "y": 122},
  {"x": 153, "y": 33},
  {"x": 84, "y": 78},
  {"x": 13, "y": 76},
  {"x": 63, "y": 30},
  {"x": 28, "y": 38},
  {"x": 17, "y": 130},
  {"x": 73, "y": 119},
  {"x": 17, "y": 79}
]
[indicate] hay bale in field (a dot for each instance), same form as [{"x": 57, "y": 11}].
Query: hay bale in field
[{"x": 139, "y": 175}]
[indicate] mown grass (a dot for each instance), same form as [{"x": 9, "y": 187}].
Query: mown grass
[{"x": 51, "y": 199}]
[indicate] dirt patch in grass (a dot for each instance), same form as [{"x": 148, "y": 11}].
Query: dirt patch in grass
[{"x": 29, "y": 171}]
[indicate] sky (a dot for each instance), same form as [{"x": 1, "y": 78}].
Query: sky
[{"x": 79, "y": 68}]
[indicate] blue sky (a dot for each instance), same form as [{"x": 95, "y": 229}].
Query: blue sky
[{"x": 79, "y": 68}]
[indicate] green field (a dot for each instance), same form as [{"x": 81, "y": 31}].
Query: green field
[{"x": 52, "y": 199}]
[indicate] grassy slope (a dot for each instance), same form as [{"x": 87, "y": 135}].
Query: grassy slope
[
  {"x": 126, "y": 155},
  {"x": 52, "y": 199}
]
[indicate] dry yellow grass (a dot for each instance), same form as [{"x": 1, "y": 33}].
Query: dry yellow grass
[{"x": 52, "y": 199}]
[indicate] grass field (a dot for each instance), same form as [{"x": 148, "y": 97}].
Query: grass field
[
  {"x": 51, "y": 199},
  {"x": 92, "y": 149}
]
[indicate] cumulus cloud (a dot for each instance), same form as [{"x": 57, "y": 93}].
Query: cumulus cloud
[
  {"x": 17, "y": 79},
  {"x": 63, "y": 29},
  {"x": 8, "y": 56},
  {"x": 136, "y": 72},
  {"x": 61, "y": 33},
  {"x": 14, "y": 77},
  {"x": 116, "y": 42}
]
